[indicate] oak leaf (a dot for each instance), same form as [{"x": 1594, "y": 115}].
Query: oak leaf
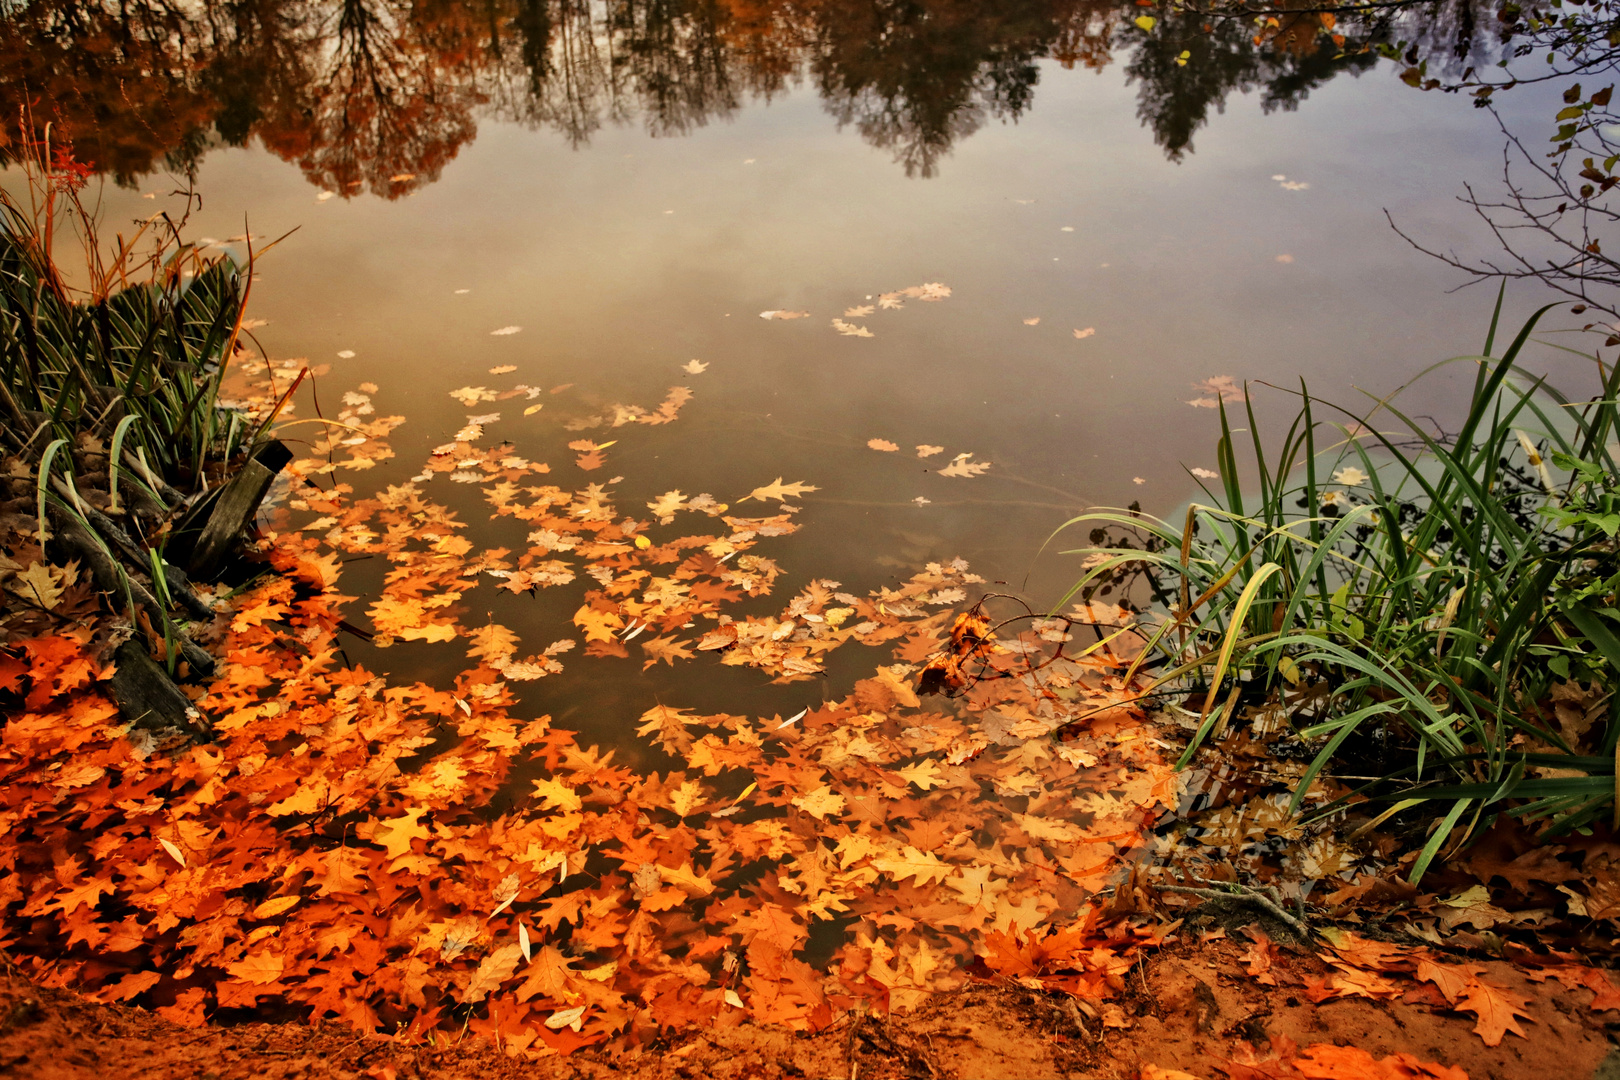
[
  {"x": 667, "y": 649},
  {"x": 261, "y": 968},
  {"x": 962, "y": 465},
  {"x": 1496, "y": 1009},
  {"x": 555, "y": 795},
  {"x": 925, "y": 866},
  {"x": 495, "y": 969},
  {"x": 776, "y": 491},
  {"x": 276, "y": 906},
  {"x": 821, "y": 802},
  {"x": 130, "y": 985},
  {"x": 598, "y": 625},
  {"x": 925, "y": 774}
]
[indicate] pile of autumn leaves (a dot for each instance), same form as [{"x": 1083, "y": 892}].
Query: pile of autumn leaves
[{"x": 334, "y": 852}]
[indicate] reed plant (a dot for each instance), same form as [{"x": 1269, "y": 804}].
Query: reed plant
[
  {"x": 1453, "y": 595},
  {"x": 110, "y": 410},
  {"x": 137, "y": 351}
]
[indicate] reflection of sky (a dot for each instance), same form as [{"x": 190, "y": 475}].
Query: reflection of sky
[{"x": 627, "y": 258}]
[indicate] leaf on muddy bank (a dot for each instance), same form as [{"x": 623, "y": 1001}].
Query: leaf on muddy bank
[{"x": 1497, "y": 1010}]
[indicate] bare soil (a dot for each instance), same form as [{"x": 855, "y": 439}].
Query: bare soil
[{"x": 1189, "y": 1008}]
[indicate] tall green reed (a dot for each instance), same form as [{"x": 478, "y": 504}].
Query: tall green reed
[
  {"x": 1440, "y": 588},
  {"x": 137, "y": 352}
]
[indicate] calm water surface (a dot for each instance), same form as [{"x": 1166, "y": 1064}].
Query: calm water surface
[{"x": 634, "y": 203}]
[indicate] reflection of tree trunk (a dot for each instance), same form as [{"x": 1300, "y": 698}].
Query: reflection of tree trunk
[
  {"x": 533, "y": 22},
  {"x": 390, "y": 110}
]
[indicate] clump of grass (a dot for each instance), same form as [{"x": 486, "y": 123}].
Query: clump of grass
[
  {"x": 137, "y": 353},
  {"x": 1459, "y": 593},
  {"x": 111, "y": 425}
]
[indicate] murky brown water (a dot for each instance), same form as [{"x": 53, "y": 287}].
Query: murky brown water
[{"x": 632, "y": 186}]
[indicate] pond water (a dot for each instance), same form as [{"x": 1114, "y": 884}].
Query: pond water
[{"x": 632, "y": 185}]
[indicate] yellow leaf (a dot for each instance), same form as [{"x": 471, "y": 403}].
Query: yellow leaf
[
  {"x": 598, "y": 625},
  {"x": 821, "y": 802},
  {"x": 557, "y": 796},
  {"x": 925, "y": 774},
  {"x": 686, "y": 798},
  {"x": 925, "y": 866},
  {"x": 566, "y": 1018},
  {"x": 1146, "y": 22},
  {"x": 431, "y": 632},
  {"x": 496, "y": 969},
  {"x": 306, "y": 800},
  {"x": 777, "y": 491},
  {"x": 684, "y": 877},
  {"x": 271, "y": 908},
  {"x": 258, "y": 968},
  {"x": 38, "y": 585}
]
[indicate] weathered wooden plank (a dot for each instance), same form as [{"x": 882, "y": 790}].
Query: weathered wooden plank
[
  {"x": 68, "y": 531},
  {"x": 147, "y": 696},
  {"x": 234, "y": 510}
]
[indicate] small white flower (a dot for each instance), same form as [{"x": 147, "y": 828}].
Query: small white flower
[{"x": 1350, "y": 477}]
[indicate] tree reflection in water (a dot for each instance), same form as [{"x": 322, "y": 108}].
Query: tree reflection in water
[{"x": 379, "y": 94}]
